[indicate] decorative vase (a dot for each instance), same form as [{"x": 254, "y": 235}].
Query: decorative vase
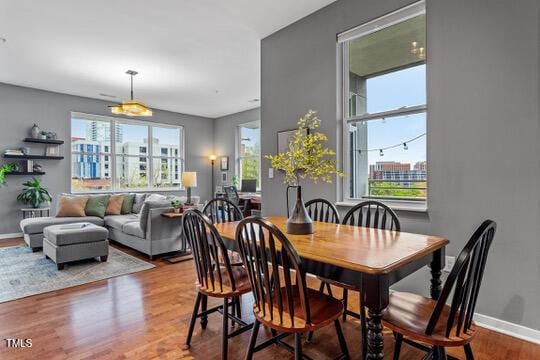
[
  {"x": 177, "y": 210},
  {"x": 35, "y": 131},
  {"x": 299, "y": 223}
]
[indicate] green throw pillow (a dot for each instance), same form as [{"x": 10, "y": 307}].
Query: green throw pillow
[
  {"x": 96, "y": 205},
  {"x": 127, "y": 205}
]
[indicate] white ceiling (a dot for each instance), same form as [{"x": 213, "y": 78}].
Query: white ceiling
[{"x": 198, "y": 57}]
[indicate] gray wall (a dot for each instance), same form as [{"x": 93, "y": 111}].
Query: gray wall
[
  {"x": 483, "y": 129},
  {"x": 21, "y": 107},
  {"x": 225, "y": 137}
]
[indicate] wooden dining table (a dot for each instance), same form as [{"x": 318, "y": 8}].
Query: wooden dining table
[{"x": 366, "y": 258}]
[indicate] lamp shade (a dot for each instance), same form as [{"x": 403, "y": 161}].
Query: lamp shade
[
  {"x": 212, "y": 157},
  {"x": 189, "y": 179}
]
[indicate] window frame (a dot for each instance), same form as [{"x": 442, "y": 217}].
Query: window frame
[
  {"x": 239, "y": 157},
  {"x": 113, "y": 156},
  {"x": 343, "y": 40}
]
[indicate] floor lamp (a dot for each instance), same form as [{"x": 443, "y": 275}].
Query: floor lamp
[{"x": 212, "y": 161}]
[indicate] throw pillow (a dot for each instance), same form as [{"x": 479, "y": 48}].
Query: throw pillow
[
  {"x": 138, "y": 203},
  {"x": 155, "y": 197},
  {"x": 127, "y": 204},
  {"x": 115, "y": 205},
  {"x": 96, "y": 205},
  {"x": 71, "y": 206}
]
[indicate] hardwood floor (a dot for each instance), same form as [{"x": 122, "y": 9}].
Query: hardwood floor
[{"x": 145, "y": 316}]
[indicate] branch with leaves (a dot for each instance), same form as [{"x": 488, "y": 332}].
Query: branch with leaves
[{"x": 307, "y": 158}]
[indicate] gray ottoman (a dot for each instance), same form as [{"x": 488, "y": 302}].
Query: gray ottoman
[{"x": 65, "y": 243}]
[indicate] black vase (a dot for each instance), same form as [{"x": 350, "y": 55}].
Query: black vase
[{"x": 299, "y": 223}]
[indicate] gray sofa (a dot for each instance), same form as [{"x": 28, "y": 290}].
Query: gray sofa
[{"x": 144, "y": 230}]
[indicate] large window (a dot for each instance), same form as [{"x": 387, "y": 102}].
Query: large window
[
  {"x": 384, "y": 107},
  {"x": 249, "y": 152},
  {"x": 143, "y": 155}
]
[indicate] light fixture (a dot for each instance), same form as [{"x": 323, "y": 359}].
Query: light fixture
[
  {"x": 212, "y": 159},
  {"x": 131, "y": 107},
  {"x": 405, "y": 146}
]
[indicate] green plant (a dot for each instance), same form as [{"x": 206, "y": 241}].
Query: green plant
[
  {"x": 236, "y": 180},
  {"x": 34, "y": 194},
  {"x": 307, "y": 157},
  {"x": 176, "y": 204},
  {"x": 4, "y": 170}
]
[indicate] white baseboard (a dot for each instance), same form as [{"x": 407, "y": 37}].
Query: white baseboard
[
  {"x": 508, "y": 328},
  {"x": 11, "y": 236}
]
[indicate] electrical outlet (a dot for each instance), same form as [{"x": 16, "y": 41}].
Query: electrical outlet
[
  {"x": 450, "y": 261},
  {"x": 270, "y": 173}
]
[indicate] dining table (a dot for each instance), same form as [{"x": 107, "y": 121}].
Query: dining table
[{"x": 365, "y": 258}]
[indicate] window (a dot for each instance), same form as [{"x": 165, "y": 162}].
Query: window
[
  {"x": 249, "y": 152},
  {"x": 138, "y": 161},
  {"x": 384, "y": 107}
]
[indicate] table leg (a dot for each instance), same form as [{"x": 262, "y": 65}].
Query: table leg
[
  {"x": 377, "y": 290},
  {"x": 437, "y": 264}
]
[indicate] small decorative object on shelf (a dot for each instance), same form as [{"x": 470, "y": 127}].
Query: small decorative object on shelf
[
  {"x": 37, "y": 168},
  {"x": 35, "y": 131},
  {"x": 52, "y": 150},
  {"x": 177, "y": 206},
  {"x": 43, "y": 135},
  {"x": 4, "y": 170},
  {"x": 34, "y": 194},
  {"x": 306, "y": 158}
]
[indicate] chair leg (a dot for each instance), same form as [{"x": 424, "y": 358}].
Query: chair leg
[
  {"x": 363, "y": 325},
  {"x": 309, "y": 337},
  {"x": 441, "y": 353},
  {"x": 233, "y": 310},
  {"x": 321, "y": 288},
  {"x": 341, "y": 338},
  {"x": 239, "y": 307},
  {"x": 225, "y": 330},
  {"x": 468, "y": 352},
  {"x": 297, "y": 346},
  {"x": 329, "y": 289},
  {"x": 345, "y": 300},
  {"x": 397, "y": 345},
  {"x": 253, "y": 339},
  {"x": 193, "y": 318},
  {"x": 204, "y": 306}
]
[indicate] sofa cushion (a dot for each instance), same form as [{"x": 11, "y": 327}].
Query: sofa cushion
[
  {"x": 96, "y": 205},
  {"x": 36, "y": 225},
  {"x": 71, "y": 206},
  {"x": 134, "y": 229},
  {"x": 79, "y": 233},
  {"x": 127, "y": 204},
  {"x": 143, "y": 215},
  {"x": 138, "y": 203},
  {"x": 118, "y": 221},
  {"x": 114, "y": 207}
]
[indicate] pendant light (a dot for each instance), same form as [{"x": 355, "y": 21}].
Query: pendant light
[{"x": 131, "y": 107}]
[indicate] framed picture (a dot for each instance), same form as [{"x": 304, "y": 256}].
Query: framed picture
[
  {"x": 224, "y": 178},
  {"x": 224, "y": 163},
  {"x": 52, "y": 151},
  {"x": 284, "y": 138}
]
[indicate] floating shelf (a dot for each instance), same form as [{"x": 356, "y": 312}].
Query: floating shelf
[
  {"x": 26, "y": 173},
  {"x": 33, "y": 157},
  {"x": 44, "y": 141}
]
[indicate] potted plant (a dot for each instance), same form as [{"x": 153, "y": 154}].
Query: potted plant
[
  {"x": 307, "y": 158},
  {"x": 177, "y": 206},
  {"x": 4, "y": 170},
  {"x": 236, "y": 181},
  {"x": 34, "y": 194}
]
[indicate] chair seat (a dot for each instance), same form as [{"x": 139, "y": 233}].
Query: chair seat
[
  {"x": 241, "y": 280},
  {"x": 408, "y": 314},
  {"x": 324, "y": 310}
]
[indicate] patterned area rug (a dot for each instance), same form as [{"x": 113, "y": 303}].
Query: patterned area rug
[{"x": 24, "y": 273}]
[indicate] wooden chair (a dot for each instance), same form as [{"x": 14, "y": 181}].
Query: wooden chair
[
  {"x": 322, "y": 210},
  {"x": 283, "y": 302},
  {"x": 372, "y": 214},
  {"x": 231, "y": 194},
  {"x": 435, "y": 323},
  {"x": 216, "y": 276}
]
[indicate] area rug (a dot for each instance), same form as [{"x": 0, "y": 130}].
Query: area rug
[{"x": 24, "y": 273}]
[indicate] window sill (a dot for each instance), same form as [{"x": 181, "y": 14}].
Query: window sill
[{"x": 397, "y": 205}]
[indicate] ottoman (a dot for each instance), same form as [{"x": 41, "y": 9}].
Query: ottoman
[{"x": 79, "y": 241}]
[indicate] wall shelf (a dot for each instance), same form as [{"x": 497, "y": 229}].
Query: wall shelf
[
  {"x": 36, "y": 173},
  {"x": 33, "y": 157},
  {"x": 44, "y": 141}
]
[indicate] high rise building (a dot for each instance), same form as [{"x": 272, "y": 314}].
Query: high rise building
[{"x": 100, "y": 131}]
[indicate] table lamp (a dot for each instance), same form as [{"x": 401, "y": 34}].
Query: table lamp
[{"x": 189, "y": 180}]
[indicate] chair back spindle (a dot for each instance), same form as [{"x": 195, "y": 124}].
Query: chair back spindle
[
  {"x": 221, "y": 210},
  {"x": 266, "y": 251},
  {"x": 465, "y": 280},
  {"x": 372, "y": 214},
  {"x": 322, "y": 210},
  {"x": 214, "y": 271}
]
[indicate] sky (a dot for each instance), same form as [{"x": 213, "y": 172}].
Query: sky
[{"x": 401, "y": 88}]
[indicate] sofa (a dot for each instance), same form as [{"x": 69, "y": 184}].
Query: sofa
[{"x": 143, "y": 229}]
